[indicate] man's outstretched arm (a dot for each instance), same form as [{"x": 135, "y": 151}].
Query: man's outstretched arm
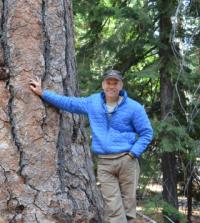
[{"x": 71, "y": 104}]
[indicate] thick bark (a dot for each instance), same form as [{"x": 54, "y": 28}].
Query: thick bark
[
  {"x": 46, "y": 172},
  {"x": 189, "y": 198},
  {"x": 166, "y": 88},
  {"x": 169, "y": 179}
]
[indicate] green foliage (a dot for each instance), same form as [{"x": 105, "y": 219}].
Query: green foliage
[
  {"x": 153, "y": 205},
  {"x": 171, "y": 136},
  {"x": 169, "y": 210},
  {"x": 156, "y": 204},
  {"x": 148, "y": 70},
  {"x": 150, "y": 171},
  {"x": 108, "y": 33}
]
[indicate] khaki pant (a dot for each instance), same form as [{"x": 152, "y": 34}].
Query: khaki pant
[{"x": 119, "y": 178}]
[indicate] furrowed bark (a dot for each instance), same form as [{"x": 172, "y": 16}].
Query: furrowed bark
[{"x": 46, "y": 172}]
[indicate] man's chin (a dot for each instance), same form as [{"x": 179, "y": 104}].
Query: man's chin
[{"x": 112, "y": 94}]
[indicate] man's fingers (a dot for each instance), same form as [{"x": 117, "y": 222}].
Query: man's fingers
[
  {"x": 32, "y": 87},
  {"x": 32, "y": 81},
  {"x": 35, "y": 82},
  {"x": 35, "y": 86},
  {"x": 38, "y": 79}
]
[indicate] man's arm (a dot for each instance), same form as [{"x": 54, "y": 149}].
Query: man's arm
[
  {"x": 70, "y": 104},
  {"x": 144, "y": 130}
]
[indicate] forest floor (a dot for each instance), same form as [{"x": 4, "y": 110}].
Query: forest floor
[
  {"x": 158, "y": 219},
  {"x": 155, "y": 215}
]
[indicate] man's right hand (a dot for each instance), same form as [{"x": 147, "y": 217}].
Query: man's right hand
[{"x": 36, "y": 86}]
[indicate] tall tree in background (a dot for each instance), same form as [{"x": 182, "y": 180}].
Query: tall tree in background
[
  {"x": 167, "y": 64},
  {"x": 45, "y": 170}
]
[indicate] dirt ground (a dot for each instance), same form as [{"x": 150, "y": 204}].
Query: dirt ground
[
  {"x": 158, "y": 218},
  {"x": 140, "y": 220},
  {"x": 196, "y": 219}
]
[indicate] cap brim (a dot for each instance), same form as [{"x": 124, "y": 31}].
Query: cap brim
[{"x": 113, "y": 77}]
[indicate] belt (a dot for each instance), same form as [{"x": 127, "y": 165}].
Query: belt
[{"x": 112, "y": 156}]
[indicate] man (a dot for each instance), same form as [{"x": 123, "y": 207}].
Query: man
[{"x": 121, "y": 131}]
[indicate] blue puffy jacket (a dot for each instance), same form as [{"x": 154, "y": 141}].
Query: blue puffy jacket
[{"x": 127, "y": 129}]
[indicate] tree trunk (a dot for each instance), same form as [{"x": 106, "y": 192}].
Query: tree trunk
[
  {"x": 46, "y": 172},
  {"x": 166, "y": 88},
  {"x": 189, "y": 199},
  {"x": 189, "y": 190}
]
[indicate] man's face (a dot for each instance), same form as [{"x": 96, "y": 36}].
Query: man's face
[{"x": 112, "y": 87}]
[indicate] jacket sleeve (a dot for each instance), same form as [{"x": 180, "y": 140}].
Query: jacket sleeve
[
  {"x": 71, "y": 104},
  {"x": 144, "y": 130}
]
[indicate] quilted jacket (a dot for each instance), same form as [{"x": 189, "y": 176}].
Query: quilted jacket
[{"x": 126, "y": 129}]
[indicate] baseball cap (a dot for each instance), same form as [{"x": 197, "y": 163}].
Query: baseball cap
[{"x": 112, "y": 74}]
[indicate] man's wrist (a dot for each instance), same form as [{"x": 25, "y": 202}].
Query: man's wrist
[{"x": 131, "y": 155}]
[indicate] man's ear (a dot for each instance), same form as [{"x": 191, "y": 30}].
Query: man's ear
[
  {"x": 102, "y": 85},
  {"x": 121, "y": 84}
]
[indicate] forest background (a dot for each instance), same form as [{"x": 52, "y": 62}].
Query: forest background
[{"x": 155, "y": 44}]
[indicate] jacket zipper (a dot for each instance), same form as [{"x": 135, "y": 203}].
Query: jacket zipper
[{"x": 109, "y": 120}]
